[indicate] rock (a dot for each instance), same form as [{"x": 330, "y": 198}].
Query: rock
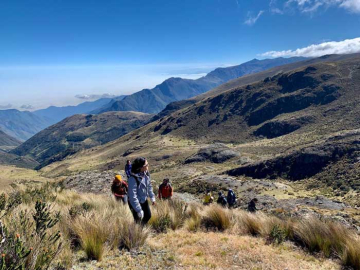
[
  {"x": 91, "y": 181},
  {"x": 217, "y": 153}
]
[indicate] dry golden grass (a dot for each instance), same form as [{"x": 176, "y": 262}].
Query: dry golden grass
[
  {"x": 100, "y": 226},
  {"x": 210, "y": 250},
  {"x": 12, "y": 174}
]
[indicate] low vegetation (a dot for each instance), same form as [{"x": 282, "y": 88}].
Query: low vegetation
[{"x": 50, "y": 230}]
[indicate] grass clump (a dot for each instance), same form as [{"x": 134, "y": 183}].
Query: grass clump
[
  {"x": 170, "y": 214},
  {"x": 133, "y": 236},
  {"x": 216, "y": 218}
]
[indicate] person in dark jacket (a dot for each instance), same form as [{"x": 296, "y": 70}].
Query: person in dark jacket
[
  {"x": 222, "y": 200},
  {"x": 231, "y": 198},
  {"x": 252, "y": 205},
  {"x": 120, "y": 189},
  {"x": 140, "y": 189},
  {"x": 128, "y": 168}
]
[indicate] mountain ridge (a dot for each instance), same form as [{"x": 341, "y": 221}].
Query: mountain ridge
[
  {"x": 79, "y": 132},
  {"x": 173, "y": 89},
  {"x": 21, "y": 124}
]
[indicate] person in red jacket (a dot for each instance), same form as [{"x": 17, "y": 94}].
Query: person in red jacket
[
  {"x": 120, "y": 189},
  {"x": 165, "y": 190}
]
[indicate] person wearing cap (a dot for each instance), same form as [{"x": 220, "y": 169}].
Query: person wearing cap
[
  {"x": 140, "y": 190},
  {"x": 165, "y": 190},
  {"x": 119, "y": 188}
]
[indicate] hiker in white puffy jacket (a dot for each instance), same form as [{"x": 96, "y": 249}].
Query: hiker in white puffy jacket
[{"x": 140, "y": 189}]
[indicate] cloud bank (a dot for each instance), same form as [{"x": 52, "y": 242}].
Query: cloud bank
[
  {"x": 94, "y": 97},
  {"x": 7, "y": 106},
  {"x": 251, "y": 20},
  {"x": 310, "y": 6},
  {"x": 333, "y": 47}
]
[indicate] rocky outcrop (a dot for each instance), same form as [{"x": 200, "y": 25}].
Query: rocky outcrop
[
  {"x": 303, "y": 163},
  {"x": 217, "y": 153},
  {"x": 279, "y": 128}
]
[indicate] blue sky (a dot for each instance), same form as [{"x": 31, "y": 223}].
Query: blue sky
[{"x": 53, "y": 50}]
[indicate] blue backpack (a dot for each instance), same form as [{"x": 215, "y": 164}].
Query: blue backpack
[{"x": 231, "y": 198}]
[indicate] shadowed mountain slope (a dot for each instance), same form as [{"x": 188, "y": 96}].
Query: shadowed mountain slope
[
  {"x": 79, "y": 132},
  {"x": 248, "y": 79},
  {"x": 320, "y": 98},
  {"x": 174, "y": 89},
  {"x": 7, "y": 142},
  {"x": 21, "y": 125}
]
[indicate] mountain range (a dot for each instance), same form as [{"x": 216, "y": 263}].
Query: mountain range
[
  {"x": 55, "y": 114},
  {"x": 299, "y": 124},
  {"x": 174, "y": 89},
  {"x": 21, "y": 125}
]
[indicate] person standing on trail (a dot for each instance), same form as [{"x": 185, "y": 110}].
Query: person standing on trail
[
  {"x": 128, "y": 168},
  {"x": 140, "y": 189},
  {"x": 120, "y": 189},
  {"x": 165, "y": 190},
  {"x": 231, "y": 198}
]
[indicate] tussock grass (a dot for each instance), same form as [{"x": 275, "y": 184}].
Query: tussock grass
[
  {"x": 351, "y": 254},
  {"x": 170, "y": 214},
  {"x": 98, "y": 224},
  {"x": 217, "y": 218},
  {"x": 193, "y": 223},
  {"x": 133, "y": 235}
]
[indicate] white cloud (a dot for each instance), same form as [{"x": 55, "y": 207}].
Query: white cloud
[
  {"x": 94, "y": 97},
  {"x": 7, "y": 106},
  {"x": 310, "y": 6},
  {"x": 274, "y": 9},
  {"x": 333, "y": 47},
  {"x": 351, "y": 5},
  {"x": 252, "y": 20}
]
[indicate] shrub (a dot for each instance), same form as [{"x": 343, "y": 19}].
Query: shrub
[
  {"x": 277, "y": 235},
  {"x": 30, "y": 244}
]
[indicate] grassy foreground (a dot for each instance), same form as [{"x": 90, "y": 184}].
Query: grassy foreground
[{"x": 52, "y": 228}]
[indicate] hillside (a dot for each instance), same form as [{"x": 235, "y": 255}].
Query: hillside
[
  {"x": 7, "y": 142},
  {"x": 79, "y": 132},
  {"x": 56, "y": 114},
  {"x": 174, "y": 89},
  {"x": 309, "y": 114},
  {"x": 311, "y": 99},
  {"x": 8, "y": 159},
  {"x": 21, "y": 125},
  {"x": 246, "y": 80}
]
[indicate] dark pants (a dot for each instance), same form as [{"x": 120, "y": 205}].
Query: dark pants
[{"x": 147, "y": 213}]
